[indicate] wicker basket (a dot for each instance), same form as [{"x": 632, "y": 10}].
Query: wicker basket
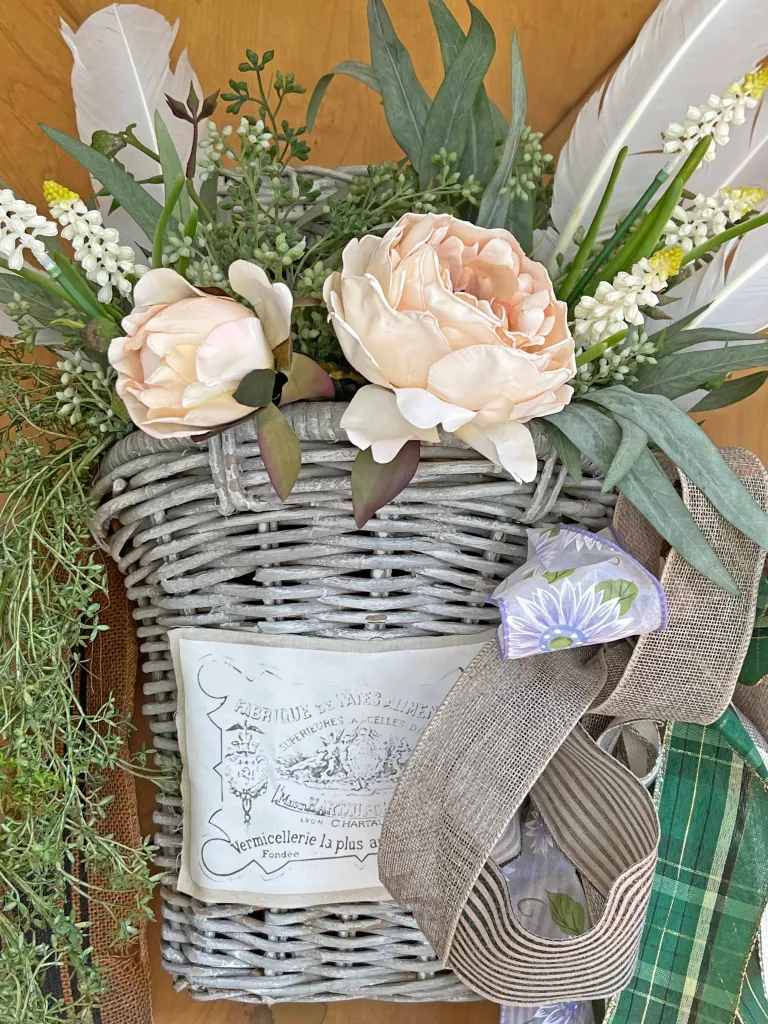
[{"x": 204, "y": 541}]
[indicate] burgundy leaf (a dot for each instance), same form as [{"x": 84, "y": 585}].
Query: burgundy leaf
[
  {"x": 177, "y": 108},
  {"x": 376, "y": 483},
  {"x": 193, "y": 103},
  {"x": 209, "y": 105},
  {"x": 306, "y": 380},
  {"x": 279, "y": 449}
]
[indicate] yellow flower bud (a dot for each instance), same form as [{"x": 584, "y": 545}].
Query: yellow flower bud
[
  {"x": 666, "y": 262},
  {"x": 747, "y": 198},
  {"x": 54, "y": 192},
  {"x": 756, "y": 84}
]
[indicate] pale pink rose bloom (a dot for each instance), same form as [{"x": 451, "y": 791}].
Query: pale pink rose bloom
[
  {"x": 185, "y": 351},
  {"x": 455, "y": 326}
]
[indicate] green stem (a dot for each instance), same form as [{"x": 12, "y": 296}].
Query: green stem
[
  {"x": 590, "y": 354},
  {"x": 645, "y": 239},
  {"x": 195, "y": 197},
  {"x": 591, "y": 236},
  {"x": 725, "y": 236},
  {"x": 71, "y": 281},
  {"x": 131, "y": 139},
  {"x": 613, "y": 242},
  {"x": 162, "y": 221},
  {"x": 40, "y": 279}
]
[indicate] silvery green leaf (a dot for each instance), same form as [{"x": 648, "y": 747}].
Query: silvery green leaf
[
  {"x": 690, "y": 449},
  {"x": 494, "y": 205},
  {"x": 43, "y": 304},
  {"x": 570, "y": 456},
  {"x": 685, "y": 339},
  {"x": 478, "y": 156},
  {"x": 170, "y": 163},
  {"x": 634, "y": 442},
  {"x": 731, "y": 392},
  {"x": 520, "y": 221},
  {"x": 676, "y": 375},
  {"x": 449, "y": 117},
  {"x": 137, "y": 203},
  {"x": 646, "y": 485},
  {"x": 355, "y": 69},
  {"x": 406, "y": 104}
]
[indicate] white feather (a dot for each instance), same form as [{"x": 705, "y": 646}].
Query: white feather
[
  {"x": 121, "y": 76},
  {"x": 744, "y": 161},
  {"x": 734, "y": 286},
  {"x": 686, "y": 51}
]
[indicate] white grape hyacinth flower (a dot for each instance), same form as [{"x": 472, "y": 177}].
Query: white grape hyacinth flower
[
  {"x": 707, "y": 216},
  {"x": 617, "y": 304},
  {"x": 21, "y": 227},
  {"x": 715, "y": 116},
  {"x": 96, "y": 247}
]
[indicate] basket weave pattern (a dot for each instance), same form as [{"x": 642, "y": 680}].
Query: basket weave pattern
[{"x": 204, "y": 541}]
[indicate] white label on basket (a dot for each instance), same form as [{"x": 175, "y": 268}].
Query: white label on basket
[{"x": 291, "y": 749}]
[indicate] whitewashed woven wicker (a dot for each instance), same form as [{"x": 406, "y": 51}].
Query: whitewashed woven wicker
[{"x": 204, "y": 541}]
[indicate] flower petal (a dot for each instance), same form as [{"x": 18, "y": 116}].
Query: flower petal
[
  {"x": 509, "y": 445},
  {"x": 231, "y": 351},
  {"x": 351, "y": 345},
  {"x": 424, "y": 410},
  {"x": 273, "y": 302},
  {"x": 403, "y": 345},
  {"x": 161, "y": 287},
  {"x": 373, "y": 420}
]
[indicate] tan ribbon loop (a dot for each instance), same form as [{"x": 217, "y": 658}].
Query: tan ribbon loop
[{"x": 508, "y": 729}]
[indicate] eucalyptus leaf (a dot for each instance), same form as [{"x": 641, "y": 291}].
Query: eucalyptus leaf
[
  {"x": 679, "y": 374},
  {"x": 99, "y": 332},
  {"x": 449, "y": 116},
  {"x": 256, "y": 388},
  {"x": 171, "y": 165},
  {"x": 570, "y": 456},
  {"x": 634, "y": 442},
  {"x": 376, "y": 483},
  {"x": 138, "y": 203},
  {"x": 494, "y": 206},
  {"x": 479, "y": 150},
  {"x": 520, "y": 221},
  {"x": 279, "y": 449},
  {"x": 209, "y": 194},
  {"x": 646, "y": 485},
  {"x": 697, "y": 335},
  {"x": 731, "y": 392},
  {"x": 43, "y": 305},
  {"x": 690, "y": 449},
  {"x": 355, "y": 69},
  {"x": 406, "y": 104}
]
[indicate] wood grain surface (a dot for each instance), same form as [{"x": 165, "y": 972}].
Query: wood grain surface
[{"x": 568, "y": 47}]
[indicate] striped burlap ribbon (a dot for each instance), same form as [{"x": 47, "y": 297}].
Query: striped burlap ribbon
[{"x": 508, "y": 729}]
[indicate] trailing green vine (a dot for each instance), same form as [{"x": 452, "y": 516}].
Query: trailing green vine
[{"x": 54, "y": 754}]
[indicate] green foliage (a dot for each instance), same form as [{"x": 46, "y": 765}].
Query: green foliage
[{"x": 53, "y": 755}]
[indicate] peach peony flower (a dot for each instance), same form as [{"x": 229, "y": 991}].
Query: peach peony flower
[
  {"x": 186, "y": 351},
  {"x": 455, "y": 326}
]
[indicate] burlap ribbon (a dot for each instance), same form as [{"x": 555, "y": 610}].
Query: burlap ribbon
[{"x": 508, "y": 729}]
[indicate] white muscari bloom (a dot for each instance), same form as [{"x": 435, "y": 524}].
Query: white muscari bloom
[
  {"x": 715, "y": 116},
  {"x": 96, "y": 247},
  {"x": 21, "y": 227},
  {"x": 617, "y": 303},
  {"x": 707, "y": 216}
]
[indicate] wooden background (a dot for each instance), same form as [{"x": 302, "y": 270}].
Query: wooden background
[{"x": 568, "y": 47}]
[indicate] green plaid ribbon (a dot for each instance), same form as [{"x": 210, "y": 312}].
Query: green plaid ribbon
[{"x": 710, "y": 887}]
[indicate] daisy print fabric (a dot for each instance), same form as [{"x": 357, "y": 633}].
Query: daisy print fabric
[{"x": 576, "y": 588}]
